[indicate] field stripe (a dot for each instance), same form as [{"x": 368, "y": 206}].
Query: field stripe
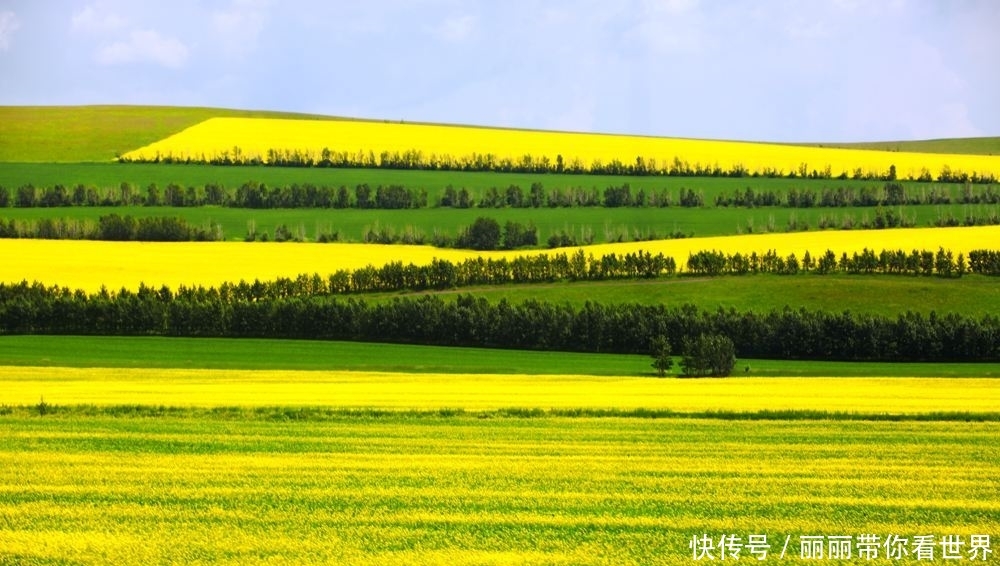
[
  {"x": 419, "y": 391},
  {"x": 90, "y": 265}
]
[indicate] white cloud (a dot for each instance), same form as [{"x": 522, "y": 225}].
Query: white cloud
[
  {"x": 456, "y": 28},
  {"x": 145, "y": 46},
  {"x": 8, "y": 25},
  {"x": 239, "y": 25},
  {"x": 93, "y": 19}
]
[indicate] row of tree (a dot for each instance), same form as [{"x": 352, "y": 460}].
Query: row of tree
[
  {"x": 890, "y": 194},
  {"x": 248, "y": 195},
  {"x": 943, "y": 263},
  {"x": 471, "y": 321},
  {"x": 526, "y": 163},
  {"x": 112, "y": 227},
  {"x": 547, "y": 268},
  {"x": 395, "y": 196}
]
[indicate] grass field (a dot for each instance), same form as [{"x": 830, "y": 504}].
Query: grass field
[
  {"x": 254, "y": 354},
  {"x": 882, "y": 295},
  {"x": 600, "y": 224},
  {"x": 464, "y": 491},
  {"x": 111, "y": 175},
  {"x": 90, "y": 265},
  {"x": 68, "y": 134},
  {"x": 971, "y": 146}
]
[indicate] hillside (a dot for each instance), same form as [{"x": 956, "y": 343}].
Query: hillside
[
  {"x": 98, "y": 133},
  {"x": 967, "y": 146},
  {"x": 69, "y": 134}
]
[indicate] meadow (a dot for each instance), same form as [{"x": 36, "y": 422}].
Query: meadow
[
  {"x": 69, "y": 134},
  {"x": 154, "y": 352},
  {"x": 878, "y": 294},
  {"x": 123, "y": 491},
  {"x": 599, "y": 224}
]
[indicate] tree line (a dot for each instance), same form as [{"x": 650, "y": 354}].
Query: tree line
[
  {"x": 252, "y": 194},
  {"x": 889, "y": 194},
  {"x": 394, "y": 196},
  {"x": 487, "y": 162},
  {"x": 112, "y": 227},
  {"x": 471, "y": 321},
  {"x": 943, "y": 263}
]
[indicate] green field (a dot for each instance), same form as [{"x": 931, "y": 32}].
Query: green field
[
  {"x": 69, "y": 134},
  {"x": 258, "y": 354},
  {"x": 885, "y": 295},
  {"x": 112, "y": 490},
  {"x": 971, "y": 146},
  {"x": 111, "y": 175},
  {"x": 599, "y": 223}
]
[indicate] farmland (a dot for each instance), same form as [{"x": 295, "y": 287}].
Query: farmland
[
  {"x": 91, "y": 265},
  {"x": 149, "y": 352},
  {"x": 467, "y": 491},
  {"x": 253, "y": 138},
  {"x": 600, "y": 225},
  {"x": 134, "y": 416},
  {"x": 69, "y": 134}
]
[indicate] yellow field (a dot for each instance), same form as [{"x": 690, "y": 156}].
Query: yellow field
[
  {"x": 425, "y": 491},
  {"x": 256, "y": 136},
  {"x": 88, "y": 264},
  {"x": 431, "y": 391}
]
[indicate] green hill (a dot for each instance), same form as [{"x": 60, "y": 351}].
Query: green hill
[
  {"x": 70, "y": 134},
  {"x": 75, "y": 134}
]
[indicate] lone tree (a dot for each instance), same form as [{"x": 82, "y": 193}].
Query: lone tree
[
  {"x": 483, "y": 234},
  {"x": 659, "y": 349},
  {"x": 708, "y": 354}
]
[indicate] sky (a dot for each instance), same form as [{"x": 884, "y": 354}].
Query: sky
[{"x": 769, "y": 70}]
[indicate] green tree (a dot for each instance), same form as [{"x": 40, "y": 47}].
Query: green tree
[
  {"x": 659, "y": 349},
  {"x": 709, "y": 354},
  {"x": 484, "y": 234}
]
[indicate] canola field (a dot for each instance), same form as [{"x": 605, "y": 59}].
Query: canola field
[
  {"x": 89, "y": 265},
  {"x": 402, "y": 391},
  {"x": 256, "y": 136},
  {"x": 464, "y": 491}
]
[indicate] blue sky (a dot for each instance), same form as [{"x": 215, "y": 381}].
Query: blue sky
[{"x": 778, "y": 70}]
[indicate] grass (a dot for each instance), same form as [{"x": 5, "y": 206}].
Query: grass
[
  {"x": 401, "y": 490},
  {"x": 306, "y": 355},
  {"x": 68, "y": 134},
  {"x": 969, "y": 146},
  {"x": 879, "y": 294},
  {"x": 599, "y": 223},
  {"x": 111, "y": 175}
]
